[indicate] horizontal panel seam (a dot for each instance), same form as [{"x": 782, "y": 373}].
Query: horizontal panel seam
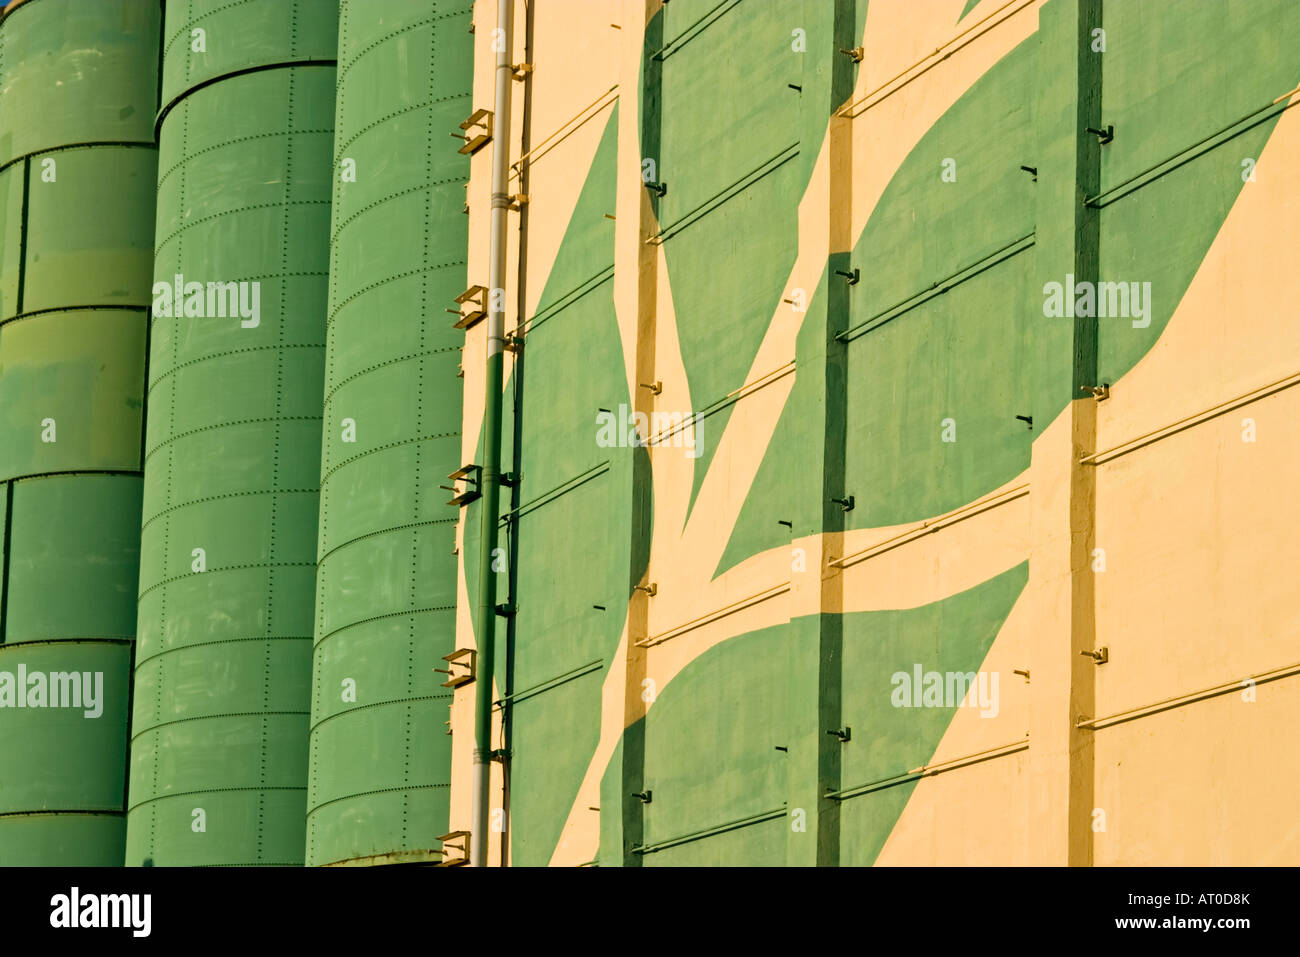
[
  {"x": 234, "y": 212},
  {"x": 384, "y": 448},
  {"x": 140, "y": 662},
  {"x": 379, "y": 704},
  {"x": 226, "y": 495},
  {"x": 234, "y": 142},
  {"x": 233, "y": 423},
  {"x": 320, "y": 561},
  {"x": 395, "y": 360},
  {"x": 384, "y": 617},
  {"x": 223, "y": 568},
  {"x": 171, "y": 370}
]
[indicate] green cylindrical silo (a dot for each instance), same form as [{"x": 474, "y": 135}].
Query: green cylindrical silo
[
  {"x": 385, "y": 611},
  {"x": 78, "y": 92},
  {"x": 227, "y": 555}
]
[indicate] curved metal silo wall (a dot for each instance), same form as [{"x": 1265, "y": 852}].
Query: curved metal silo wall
[
  {"x": 385, "y": 608},
  {"x": 227, "y": 579},
  {"x": 78, "y": 92}
]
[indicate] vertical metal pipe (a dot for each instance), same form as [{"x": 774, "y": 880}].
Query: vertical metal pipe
[{"x": 491, "y": 477}]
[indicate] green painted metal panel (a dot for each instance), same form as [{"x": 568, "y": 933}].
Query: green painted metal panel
[
  {"x": 74, "y": 556},
  {"x": 207, "y": 39},
  {"x": 71, "y": 387},
  {"x": 88, "y": 722},
  {"x": 5, "y": 504},
  {"x": 386, "y": 594},
  {"x": 12, "y": 179},
  {"x": 65, "y": 759},
  {"x": 87, "y": 245},
  {"x": 78, "y": 86},
  {"x": 78, "y": 72},
  {"x": 232, "y": 451},
  {"x": 58, "y": 840}
]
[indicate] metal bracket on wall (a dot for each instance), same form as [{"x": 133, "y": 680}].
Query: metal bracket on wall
[
  {"x": 453, "y": 854},
  {"x": 1098, "y": 392},
  {"x": 472, "y": 476},
  {"x": 476, "y": 297},
  {"x": 1103, "y": 136},
  {"x": 844, "y": 503},
  {"x": 460, "y": 668},
  {"x": 845, "y": 734},
  {"x": 1100, "y": 656},
  {"x": 478, "y": 131}
]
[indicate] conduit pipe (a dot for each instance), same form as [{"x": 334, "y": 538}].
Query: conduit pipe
[{"x": 491, "y": 475}]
